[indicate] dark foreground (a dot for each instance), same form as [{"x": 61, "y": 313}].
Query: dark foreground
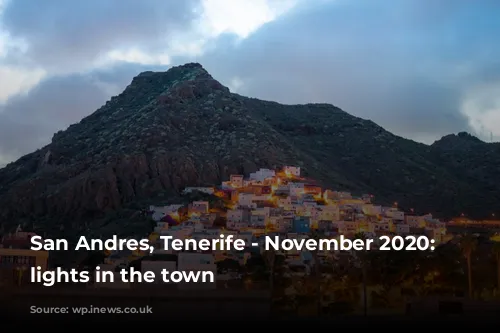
[{"x": 139, "y": 305}]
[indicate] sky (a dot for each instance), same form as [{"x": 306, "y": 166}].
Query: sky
[{"x": 419, "y": 68}]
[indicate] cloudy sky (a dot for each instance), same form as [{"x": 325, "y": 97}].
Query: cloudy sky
[{"x": 420, "y": 68}]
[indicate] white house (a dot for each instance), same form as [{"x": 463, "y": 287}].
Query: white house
[
  {"x": 160, "y": 212},
  {"x": 299, "y": 209},
  {"x": 275, "y": 211},
  {"x": 336, "y": 195},
  {"x": 370, "y": 209},
  {"x": 177, "y": 233},
  {"x": 296, "y": 200},
  {"x": 340, "y": 225},
  {"x": 203, "y": 235},
  {"x": 236, "y": 181},
  {"x": 344, "y": 195},
  {"x": 369, "y": 227},
  {"x": 367, "y": 198},
  {"x": 215, "y": 232},
  {"x": 262, "y": 175},
  {"x": 161, "y": 226},
  {"x": 296, "y": 189},
  {"x": 351, "y": 226},
  {"x": 436, "y": 224},
  {"x": 284, "y": 201},
  {"x": 245, "y": 199},
  {"x": 260, "y": 198},
  {"x": 283, "y": 224},
  {"x": 237, "y": 215},
  {"x": 236, "y": 225},
  {"x": 265, "y": 211},
  {"x": 329, "y": 195},
  {"x": 415, "y": 221},
  {"x": 282, "y": 189},
  {"x": 292, "y": 170},
  {"x": 329, "y": 213},
  {"x": 200, "y": 207},
  {"x": 196, "y": 225},
  {"x": 257, "y": 221},
  {"x": 310, "y": 203},
  {"x": 311, "y": 210},
  {"x": 402, "y": 229},
  {"x": 275, "y": 220},
  {"x": 395, "y": 214},
  {"x": 383, "y": 225}
]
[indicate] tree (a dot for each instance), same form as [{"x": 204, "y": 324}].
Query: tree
[
  {"x": 228, "y": 265},
  {"x": 468, "y": 244},
  {"x": 390, "y": 269},
  {"x": 269, "y": 257},
  {"x": 93, "y": 259},
  {"x": 362, "y": 262},
  {"x": 317, "y": 273}
]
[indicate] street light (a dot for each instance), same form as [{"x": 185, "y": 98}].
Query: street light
[
  {"x": 20, "y": 272},
  {"x": 360, "y": 263}
]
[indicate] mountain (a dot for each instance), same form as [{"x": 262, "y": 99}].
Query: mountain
[{"x": 171, "y": 129}]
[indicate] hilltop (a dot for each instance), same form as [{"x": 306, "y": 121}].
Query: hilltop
[{"x": 178, "y": 128}]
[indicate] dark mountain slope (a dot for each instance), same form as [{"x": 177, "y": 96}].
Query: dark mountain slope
[
  {"x": 395, "y": 169},
  {"x": 182, "y": 127},
  {"x": 477, "y": 164}
]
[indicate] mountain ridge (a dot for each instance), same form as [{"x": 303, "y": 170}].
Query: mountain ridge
[{"x": 182, "y": 127}]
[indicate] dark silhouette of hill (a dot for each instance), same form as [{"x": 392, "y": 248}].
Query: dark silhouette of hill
[{"x": 177, "y": 128}]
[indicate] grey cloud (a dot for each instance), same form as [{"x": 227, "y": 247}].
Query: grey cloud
[
  {"x": 27, "y": 122},
  {"x": 394, "y": 62},
  {"x": 67, "y": 34}
]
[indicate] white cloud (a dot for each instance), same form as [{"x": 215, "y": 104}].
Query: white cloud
[
  {"x": 482, "y": 107},
  {"x": 3, "y": 43},
  {"x": 240, "y": 17},
  {"x": 15, "y": 81},
  {"x": 216, "y": 17},
  {"x": 235, "y": 84},
  {"x": 5, "y": 159},
  {"x": 211, "y": 19},
  {"x": 137, "y": 56}
]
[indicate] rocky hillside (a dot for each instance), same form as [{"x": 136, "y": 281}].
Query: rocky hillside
[{"x": 181, "y": 127}]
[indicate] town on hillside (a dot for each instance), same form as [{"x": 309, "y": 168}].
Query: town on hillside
[
  {"x": 270, "y": 202},
  {"x": 284, "y": 203}
]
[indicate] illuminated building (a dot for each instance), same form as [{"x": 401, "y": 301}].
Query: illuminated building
[{"x": 16, "y": 258}]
